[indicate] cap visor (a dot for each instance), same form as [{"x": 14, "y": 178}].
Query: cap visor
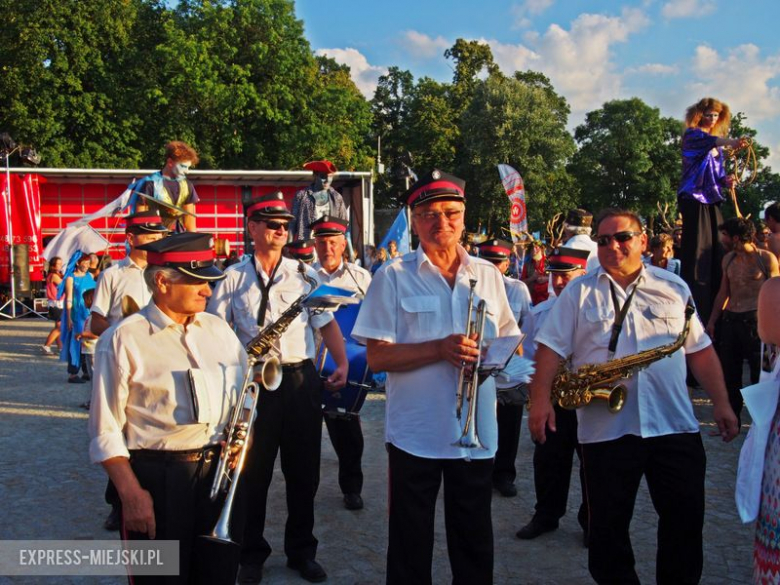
[{"x": 209, "y": 273}]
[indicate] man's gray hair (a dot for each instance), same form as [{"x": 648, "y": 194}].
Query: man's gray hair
[{"x": 170, "y": 274}]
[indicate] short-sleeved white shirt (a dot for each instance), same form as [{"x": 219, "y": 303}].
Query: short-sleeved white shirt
[
  {"x": 580, "y": 325},
  {"x": 410, "y": 302},
  {"x": 141, "y": 397},
  {"x": 125, "y": 278},
  {"x": 347, "y": 276},
  {"x": 236, "y": 299},
  {"x": 533, "y": 323},
  {"x": 519, "y": 298}
]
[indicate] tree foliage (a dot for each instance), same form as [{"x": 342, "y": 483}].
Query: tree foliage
[
  {"x": 94, "y": 84},
  {"x": 628, "y": 156}
]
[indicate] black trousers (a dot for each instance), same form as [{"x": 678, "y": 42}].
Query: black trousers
[
  {"x": 739, "y": 341},
  {"x": 289, "y": 421},
  {"x": 183, "y": 511},
  {"x": 552, "y": 470},
  {"x": 347, "y": 438},
  {"x": 414, "y": 486},
  {"x": 673, "y": 466},
  {"x": 510, "y": 420},
  {"x": 701, "y": 253}
]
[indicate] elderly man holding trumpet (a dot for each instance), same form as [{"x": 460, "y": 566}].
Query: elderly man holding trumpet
[{"x": 413, "y": 320}]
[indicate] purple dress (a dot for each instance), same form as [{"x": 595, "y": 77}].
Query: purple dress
[{"x": 702, "y": 173}]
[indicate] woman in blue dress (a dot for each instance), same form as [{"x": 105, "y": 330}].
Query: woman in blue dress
[
  {"x": 77, "y": 280},
  {"x": 699, "y": 197}
]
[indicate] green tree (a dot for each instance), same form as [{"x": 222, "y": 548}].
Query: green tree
[
  {"x": 523, "y": 124},
  {"x": 629, "y": 156}
]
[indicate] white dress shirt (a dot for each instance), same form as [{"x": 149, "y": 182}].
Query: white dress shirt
[
  {"x": 347, "y": 276},
  {"x": 410, "y": 302},
  {"x": 520, "y": 302},
  {"x": 142, "y": 395},
  {"x": 125, "y": 278},
  {"x": 580, "y": 325},
  {"x": 532, "y": 324},
  {"x": 236, "y": 299}
]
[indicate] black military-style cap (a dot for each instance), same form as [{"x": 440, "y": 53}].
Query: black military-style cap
[
  {"x": 436, "y": 185},
  {"x": 579, "y": 218},
  {"x": 145, "y": 222},
  {"x": 301, "y": 250},
  {"x": 567, "y": 259},
  {"x": 495, "y": 250},
  {"x": 271, "y": 206},
  {"x": 329, "y": 226},
  {"x": 190, "y": 253}
]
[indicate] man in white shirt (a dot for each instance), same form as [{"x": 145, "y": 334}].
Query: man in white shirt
[
  {"x": 165, "y": 381},
  {"x": 121, "y": 288},
  {"x": 576, "y": 234},
  {"x": 345, "y": 433},
  {"x": 256, "y": 293},
  {"x": 619, "y": 310},
  {"x": 123, "y": 282},
  {"x": 553, "y": 458},
  {"x": 511, "y": 397},
  {"x": 413, "y": 320}
]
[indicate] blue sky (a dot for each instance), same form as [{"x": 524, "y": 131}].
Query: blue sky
[{"x": 670, "y": 53}]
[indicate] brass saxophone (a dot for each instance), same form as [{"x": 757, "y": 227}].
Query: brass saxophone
[
  {"x": 575, "y": 389},
  {"x": 263, "y": 370}
]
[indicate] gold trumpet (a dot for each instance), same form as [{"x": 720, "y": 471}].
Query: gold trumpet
[{"x": 468, "y": 379}]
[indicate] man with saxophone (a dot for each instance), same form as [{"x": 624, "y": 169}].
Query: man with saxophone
[
  {"x": 609, "y": 315},
  {"x": 119, "y": 282},
  {"x": 330, "y": 241},
  {"x": 165, "y": 380},
  {"x": 256, "y": 293},
  {"x": 413, "y": 320}
]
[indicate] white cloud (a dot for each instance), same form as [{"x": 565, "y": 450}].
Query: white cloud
[
  {"x": 524, "y": 10},
  {"x": 687, "y": 8},
  {"x": 578, "y": 60},
  {"x": 742, "y": 78},
  {"x": 424, "y": 47},
  {"x": 654, "y": 69},
  {"x": 363, "y": 74}
]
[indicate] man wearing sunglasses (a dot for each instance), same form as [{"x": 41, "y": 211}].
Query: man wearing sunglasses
[
  {"x": 413, "y": 321},
  {"x": 619, "y": 310},
  {"x": 255, "y": 293}
]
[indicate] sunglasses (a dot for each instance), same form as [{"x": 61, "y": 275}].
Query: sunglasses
[
  {"x": 275, "y": 225},
  {"x": 619, "y": 237},
  {"x": 449, "y": 214}
]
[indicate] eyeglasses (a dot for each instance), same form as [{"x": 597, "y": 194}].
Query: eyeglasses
[
  {"x": 449, "y": 214},
  {"x": 620, "y": 237},
  {"x": 275, "y": 225}
]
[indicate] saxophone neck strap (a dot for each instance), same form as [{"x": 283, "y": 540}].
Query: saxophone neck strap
[
  {"x": 620, "y": 316},
  {"x": 265, "y": 289}
]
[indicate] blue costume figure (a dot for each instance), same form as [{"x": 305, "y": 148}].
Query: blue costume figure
[
  {"x": 700, "y": 195},
  {"x": 76, "y": 312}
]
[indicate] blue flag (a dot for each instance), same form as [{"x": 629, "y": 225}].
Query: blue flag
[{"x": 399, "y": 232}]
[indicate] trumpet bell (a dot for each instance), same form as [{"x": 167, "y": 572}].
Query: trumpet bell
[{"x": 268, "y": 372}]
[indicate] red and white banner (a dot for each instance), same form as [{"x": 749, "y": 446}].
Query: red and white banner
[
  {"x": 515, "y": 190},
  {"x": 25, "y": 222}
]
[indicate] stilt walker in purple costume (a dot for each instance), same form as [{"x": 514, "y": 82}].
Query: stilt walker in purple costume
[{"x": 700, "y": 195}]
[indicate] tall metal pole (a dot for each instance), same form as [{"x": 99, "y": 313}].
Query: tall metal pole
[{"x": 9, "y": 219}]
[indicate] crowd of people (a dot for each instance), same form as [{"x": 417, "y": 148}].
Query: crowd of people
[{"x": 169, "y": 331}]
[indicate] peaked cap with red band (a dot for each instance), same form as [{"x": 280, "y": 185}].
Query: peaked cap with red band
[
  {"x": 301, "y": 250},
  {"x": 190, "y": 253},
  {"x": 436, "y": 185},
  {"x": 145, "y": 222},
  {"x": 321, "y": 166},
  {"x": 329, "y": 226},
  {"x": 567, "y": 259},
  {"x": 271, "y": 206},
  {"x": 495, "y": 250}
]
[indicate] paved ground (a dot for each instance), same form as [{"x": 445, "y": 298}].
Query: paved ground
[{"x": 49, "y": 490}]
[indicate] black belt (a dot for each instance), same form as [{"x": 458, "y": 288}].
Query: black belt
[
  {"x": 205, "y": 453},
  {"x": 296, "y": 366}
]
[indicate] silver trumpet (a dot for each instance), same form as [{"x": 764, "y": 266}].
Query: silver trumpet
[
  {"x": 261, "y": 371},
  {"x": 468, "y": 379}
]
